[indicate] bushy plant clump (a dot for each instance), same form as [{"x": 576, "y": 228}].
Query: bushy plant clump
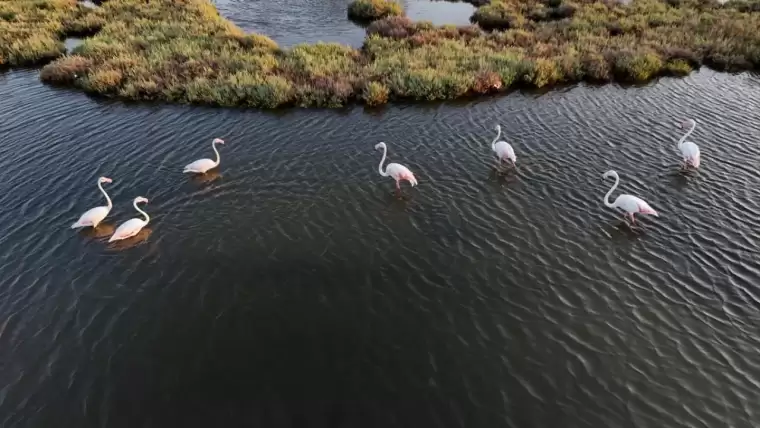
[
  {"x": 32, "y": 31},
  {"x": 371, "y": 10},
  {"x": 183, "y": 51}
]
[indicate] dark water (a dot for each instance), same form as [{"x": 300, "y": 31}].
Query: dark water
[
  {"x": 290, "y": 22},
  {"x": 292, "y": 289}
]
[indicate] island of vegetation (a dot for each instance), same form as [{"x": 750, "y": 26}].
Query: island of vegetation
[
  {"x": 184, "y": 51},
  {"x": 372, "y": 10}
]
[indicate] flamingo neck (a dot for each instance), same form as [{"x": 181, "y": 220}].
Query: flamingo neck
[
  {"x": 108, "y": 200},
  {"x": 380, "y": 167},
  {"x": 607, "y": 196},
  {"x": 493, "y": 144},
  {"x": 681, "y": 141},
  {"x": 147, "y": 217},
  {"x": 218, "y": 160}
]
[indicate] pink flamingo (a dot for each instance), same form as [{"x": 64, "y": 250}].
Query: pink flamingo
[
  {"x": 94, "y": 216},
  {"x": 132, "y": 226},
  {"x": 689, "y": 150},
  {"x": 503, "y": 150},
  {"x": 202, "y": 165},
  {"x": 397, "y": 171},
  {"x": 628, "y": 203}
]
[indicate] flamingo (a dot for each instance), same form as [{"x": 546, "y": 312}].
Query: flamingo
[
  {"x": 689, "y": 150},
  {"x": 628, "y": 203},
  {"x": 202, "y": 165},
  {"x": 502, "y": 149},
  {"x": 94, "y": 216},
  {"x": 397, "y": 171},
  {"x": 132, "y": 226}
]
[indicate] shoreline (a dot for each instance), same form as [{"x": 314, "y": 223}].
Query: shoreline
[{"x": 186, "y": 52}]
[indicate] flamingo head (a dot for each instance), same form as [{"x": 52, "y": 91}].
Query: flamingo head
[
  {"x": 104, "y": 180},
  {"x": 140, "y": 199},
  {"x": 609, "y": 174},
  {"x": 498, "y": 128},
  {"x": 379, "y": 145},
  {"x": 688, "y": 123},
  {"x": 218, "y": 141}
]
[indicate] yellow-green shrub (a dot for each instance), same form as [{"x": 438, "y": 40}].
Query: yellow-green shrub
[
  {"x": 370, "y": 10},
  {"x": 375, "y": 94}
]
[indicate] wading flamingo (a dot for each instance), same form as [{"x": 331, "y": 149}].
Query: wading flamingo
[
  {"x": 132, "y": 226},
  {"x": 689, "y": 150},
  {"x": 202, "y": 165},
  {"x": 502, "y": 149},
  {"x": 397, "y": 171},
  {"x": 94, "y": 216},
  {"x": 628, "y": 203}
]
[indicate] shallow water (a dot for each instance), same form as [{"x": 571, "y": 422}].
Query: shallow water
[
  {"x": 292, "y": 288},
  {"x": 72, "y": 43},
  {"x": 290, "y": 22}
]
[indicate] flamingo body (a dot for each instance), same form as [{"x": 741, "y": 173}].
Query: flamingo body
[
  {"x": 400, "y": 173},
  {"x": 630, "y": 204},
  {"x": 689, "y": 150},
  {"x": 396, "y": 171},
  {"x": 633, "y": 205},
  {"x": 503, "y": 150},
  {"x": 132, "y": 226},
  {"x": 128, "y": 229},
  {"x": 94, "y": 216},
  {"x": 201, "y": 166},
  {"x": 690, "y": 153}
]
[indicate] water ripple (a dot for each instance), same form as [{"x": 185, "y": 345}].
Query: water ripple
[{"x": 493, "y": 299}]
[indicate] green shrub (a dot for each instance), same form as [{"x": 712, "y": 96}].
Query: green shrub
[
  {"x": 371, "y": 10},
  {"x": 429, "y": 84},
  {"x": 498, "y": 15},
  {"x": 375, "y": 94},
  {"x": 104, "y": 81},
  {"x": 34, "y": 49},
  {"x": 636, "y": 66},
  {"x": 678, "y": 67}
]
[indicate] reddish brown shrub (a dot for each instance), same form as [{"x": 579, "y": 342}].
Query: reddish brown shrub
[
  {"x": 486, "y": 81},
  {"x": 394, "y": 27}
]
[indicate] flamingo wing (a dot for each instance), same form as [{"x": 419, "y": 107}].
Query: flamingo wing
[
  {"x": 128, "y": 229},
  {"x": 400, "y": 172},
  {"x": 91, "y": 217},
  {"x": 644, "y": 208},
  {"x": 200, "y": 166}
]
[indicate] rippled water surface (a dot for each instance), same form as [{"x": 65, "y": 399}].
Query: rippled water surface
[
  {"x": 290, "y": 22},
  {"x": 293, "y": 289}
]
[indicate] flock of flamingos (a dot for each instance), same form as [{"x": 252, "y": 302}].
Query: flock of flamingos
[{"x": 504, "y": 153}]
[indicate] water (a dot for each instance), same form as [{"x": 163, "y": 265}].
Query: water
[
  {"x": 306, "y": 21},
  {"x": 72, "y": 43},
  {"x": 292, "y": 288}
]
